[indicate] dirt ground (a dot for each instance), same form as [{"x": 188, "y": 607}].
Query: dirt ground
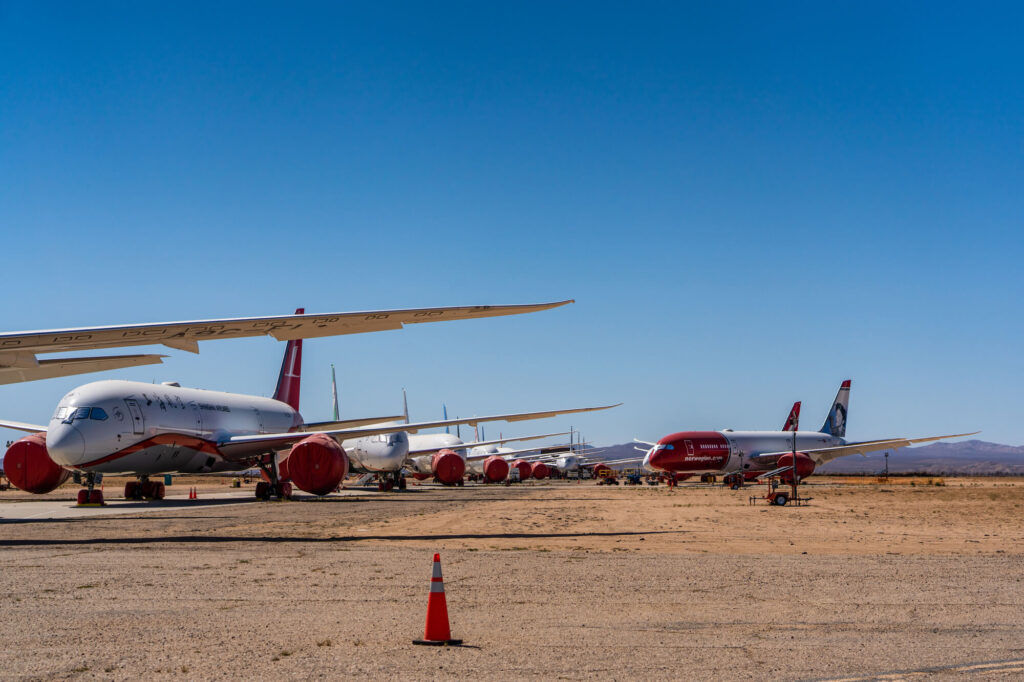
[{"x": 552, "y": 580}]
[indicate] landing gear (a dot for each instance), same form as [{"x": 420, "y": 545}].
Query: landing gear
[
  {"x": 282, "y": 490},
  {"x": 144, "y": 489},
  {"x": 388, "y": 481},
  {"x": 89, "y": 495}
]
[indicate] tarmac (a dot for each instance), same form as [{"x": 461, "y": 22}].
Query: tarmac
[{"x": 575, "y": 581}]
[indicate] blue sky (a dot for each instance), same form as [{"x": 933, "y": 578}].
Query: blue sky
[{"x": 750, "y": 203}]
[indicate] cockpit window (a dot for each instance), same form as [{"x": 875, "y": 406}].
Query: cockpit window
[
  {"x": 61, "y": 412},
  {"x": 664, "y": 446},
  {"x": 74, "y": 414}
]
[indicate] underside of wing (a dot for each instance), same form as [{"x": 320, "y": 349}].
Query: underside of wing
[
  {"x": 187, "y": 335},
  {"x": 32, "y": 369}
]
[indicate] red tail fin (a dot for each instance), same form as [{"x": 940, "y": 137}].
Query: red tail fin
[
  {"x": 793, "y": 421},
  {"x": 291, "y": 372}
]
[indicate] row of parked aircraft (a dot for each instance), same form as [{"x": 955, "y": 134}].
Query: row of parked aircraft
[{"x": 145, "y": 430}]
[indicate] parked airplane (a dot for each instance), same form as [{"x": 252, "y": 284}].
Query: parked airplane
[
  {"x": 18, "y": 350},
  {"x": 768, "y": 452}
]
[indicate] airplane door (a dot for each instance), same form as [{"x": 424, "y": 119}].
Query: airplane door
[
  {"x": 196, "y": 418},
  {"x": 259, "y": 421},
  {"x": 689, "y": 447},
  {"x": 138, "y": 423}
]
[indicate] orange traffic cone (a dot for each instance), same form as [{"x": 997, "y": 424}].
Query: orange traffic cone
[
  {"x": 191, "y": 493},
  {"x": 437, "y": 631}
]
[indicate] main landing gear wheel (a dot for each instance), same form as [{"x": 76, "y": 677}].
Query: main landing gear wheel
[
  {"x": 401, "y": 482},
  {"x": 132, "y": 491}
]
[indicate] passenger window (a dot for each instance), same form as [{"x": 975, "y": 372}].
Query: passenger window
[{"x": 98, "y": 414}]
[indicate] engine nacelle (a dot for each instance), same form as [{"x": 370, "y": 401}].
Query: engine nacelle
[
  {"x": 419, "y": 476},
  {"x": 317, "y": 464},
  {"x": 524, "y": 469},
  {"x": 448, "y": 467},
  {"x": 28, "y": 466},
  {"x": 495, "y": 469},
  {"x": 539, "y": 470},
  {"x": 804, "y": 466}
]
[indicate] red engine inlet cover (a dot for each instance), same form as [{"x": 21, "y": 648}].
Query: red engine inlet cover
[
  {"x": 495, "y": 469},
  {"x": 448, "y": 467},
  {"x": 804, "y": 466},
  {"x": 524, "y": 469},
  {"x": 317, "y": 464},
  {"x": 539, "y": 470},
  {"x": 420, "y": 477},
  {"x": 28, "y": 466}
]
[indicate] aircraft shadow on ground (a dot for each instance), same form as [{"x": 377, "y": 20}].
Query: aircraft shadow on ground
[{"x": 238, "y": 539}]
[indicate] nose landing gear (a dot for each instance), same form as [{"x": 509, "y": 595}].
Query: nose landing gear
[{"x": 89, "y": 496}]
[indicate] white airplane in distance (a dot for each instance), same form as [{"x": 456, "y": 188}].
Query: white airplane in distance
[
  {"x": 440, "y": 455},
  {"x": 19, "y": 350}
]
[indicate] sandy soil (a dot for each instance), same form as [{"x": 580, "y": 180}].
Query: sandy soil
[{"x": 551, "y": 580}]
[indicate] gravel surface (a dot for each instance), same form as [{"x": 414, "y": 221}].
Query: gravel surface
[{"x": 553, "y": 581}]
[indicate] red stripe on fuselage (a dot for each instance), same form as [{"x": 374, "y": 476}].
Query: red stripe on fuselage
[{"x": 190, "y": 442}]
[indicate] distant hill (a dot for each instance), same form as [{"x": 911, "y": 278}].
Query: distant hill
[{"x": 969, "y": 457}]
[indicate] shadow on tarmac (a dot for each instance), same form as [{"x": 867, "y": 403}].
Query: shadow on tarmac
[{"x": 222, "y": 539}]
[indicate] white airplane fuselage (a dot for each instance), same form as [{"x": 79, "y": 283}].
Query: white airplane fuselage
[
  {"x": 115, "y": 427},
  {"x": 422, "y": 464}
]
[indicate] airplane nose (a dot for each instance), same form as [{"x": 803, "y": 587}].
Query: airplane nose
[{"x": 65, "y": 444}]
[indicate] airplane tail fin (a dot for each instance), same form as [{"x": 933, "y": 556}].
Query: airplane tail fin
[
  {"x": 334, "y": 396},
  {"x": 444, "y": 411},
  {"x": 835, "y": 423},
  {"x": 288, "y": 380},
  {"x": 793, "y": 420}
]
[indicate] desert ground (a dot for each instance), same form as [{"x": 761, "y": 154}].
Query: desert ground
[{"x": 545, "y": 579}]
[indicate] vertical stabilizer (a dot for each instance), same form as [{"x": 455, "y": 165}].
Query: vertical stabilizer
[
  {"x": 334, "y": 396},
  {"x": 444, "y": 411},
  {"x": 405, "y": 406},
  {"x": 291, "y": 372},
  {"x": 793, "y": 420},
  {"x": 835, "y": 423}
]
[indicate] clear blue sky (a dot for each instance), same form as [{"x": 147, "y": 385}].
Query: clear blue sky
[{"x": 750, "y": 202}]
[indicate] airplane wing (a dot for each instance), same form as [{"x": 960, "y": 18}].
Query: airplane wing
[
  {"x": 256, "y": 444},
  {"x": 21, "y": 426},
  {"x": 18, "y": 349},
  {"x": 822, "y": 455},
  {"x": 350, "y": 423},
  {"x": 481, "y": 443},
  {"x": 19, "y": 367}
]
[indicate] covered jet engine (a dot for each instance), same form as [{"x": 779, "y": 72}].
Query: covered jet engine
[
  {"x": 804, "y": 466},
  {"x": 524, "y": 469},
  {"x": 420, "y": 476},
  {"x": 28, "y": 466},
  {"x": 317, "y": 464},
  {"x": 495, "y": 469},
  {"x": 448, "y": 467},
  {"x": 539, "y": 470}
]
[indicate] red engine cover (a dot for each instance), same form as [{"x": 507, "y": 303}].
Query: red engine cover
[
  {"x": 448, "y": 467},
  {"x": 804, "y": 466},
  {"x": 317, "y": 464},
  {"x": 603, "y": 471},
  {"x": 420, "y": 477},
  {"x": 28, "y": 466},
  {"x": 539, "y": 470},
  {"x": 524, "y": 469},
  {"x": 495, "y": 469}
]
